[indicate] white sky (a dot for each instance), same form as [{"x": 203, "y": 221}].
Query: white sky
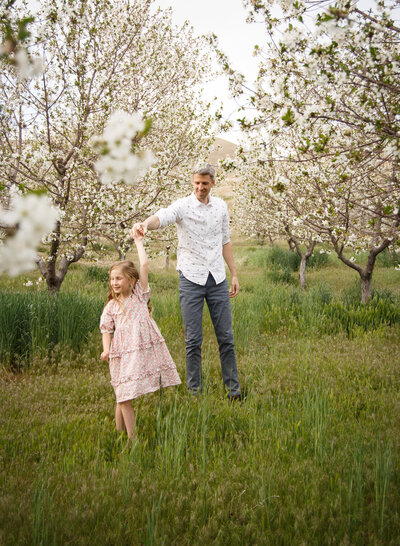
[{"x": 226, "y": 19}]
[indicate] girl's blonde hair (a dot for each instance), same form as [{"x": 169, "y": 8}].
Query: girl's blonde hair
[{"x": 130, "y": 272}]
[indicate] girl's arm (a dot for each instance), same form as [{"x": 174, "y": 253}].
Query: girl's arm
[
  {"x": 143, "y": 261},
  {"x": 106, "y": 338}
]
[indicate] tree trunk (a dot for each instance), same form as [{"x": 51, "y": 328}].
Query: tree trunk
[
  {"x": 366, "y": 287},
  {"x": 166, "y": 266},
  {"x": 271, "y": 240},
  {"x": 119, "y": 249},
  {"x": 366, "y": 273},
  {"x": 48, "y": 269},
  {"x": 294, "y": 244},
  {"x": 302, "y": 271}
]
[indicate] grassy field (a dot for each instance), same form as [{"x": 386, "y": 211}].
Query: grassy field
[{"x": 310, "y": 457}]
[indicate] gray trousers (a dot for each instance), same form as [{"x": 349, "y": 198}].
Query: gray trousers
[{"x": 191, "y": 298}]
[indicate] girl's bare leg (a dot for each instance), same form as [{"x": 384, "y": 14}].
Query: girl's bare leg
[
  {"x": 119, "y": 419},
  {"x": 128, "y": 416}
]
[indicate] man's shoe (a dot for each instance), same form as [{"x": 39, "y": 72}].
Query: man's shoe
[{"x": 236, "y": 398}]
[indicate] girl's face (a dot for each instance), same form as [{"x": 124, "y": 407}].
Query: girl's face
[{"x": 121, "y": 285}]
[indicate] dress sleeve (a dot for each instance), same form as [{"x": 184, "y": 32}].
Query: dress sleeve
[
  {"x": 107, "y": 324},
  {"x": 140, "y": 294}
]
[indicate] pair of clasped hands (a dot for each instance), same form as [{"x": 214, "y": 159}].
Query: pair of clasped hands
[{"x": 138, "y": 231}]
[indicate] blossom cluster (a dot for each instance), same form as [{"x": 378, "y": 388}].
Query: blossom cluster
[
  {"x": 32, "y": 217},
  {"x": 26, "y": 65},
  {"x": 118, "y": 161},
  {"x": 135, "y": 61}
]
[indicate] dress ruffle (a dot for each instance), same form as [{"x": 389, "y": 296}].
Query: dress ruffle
[
  {"x": 141, "y": 377},
  {"x": 139, "y": 358}
]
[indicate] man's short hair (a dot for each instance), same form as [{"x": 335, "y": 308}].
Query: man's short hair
[{"x": 206, "y": 170}]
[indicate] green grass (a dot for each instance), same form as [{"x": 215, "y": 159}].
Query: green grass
[{"x": 310, "y": 457}]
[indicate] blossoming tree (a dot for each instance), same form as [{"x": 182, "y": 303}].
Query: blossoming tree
[
  {"x": 327, "y": 103},
  {"x": 266, "y": 201},
  {"x": 101, "y": 56}
]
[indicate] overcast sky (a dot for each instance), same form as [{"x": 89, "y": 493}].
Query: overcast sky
[{"x": 226, "y": 19}]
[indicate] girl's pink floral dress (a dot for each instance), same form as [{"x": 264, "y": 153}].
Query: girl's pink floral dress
[{"x": 139, "y": 358}]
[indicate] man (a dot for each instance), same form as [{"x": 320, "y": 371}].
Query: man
[{"x": 203, "y": 243}]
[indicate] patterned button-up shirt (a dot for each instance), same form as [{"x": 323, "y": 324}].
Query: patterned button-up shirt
[{"x": 202, "y": 232}]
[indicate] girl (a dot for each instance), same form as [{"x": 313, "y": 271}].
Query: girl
[{"x": 139, "y": 358}]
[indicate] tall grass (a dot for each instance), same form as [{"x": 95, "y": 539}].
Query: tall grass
[
  {"x": 270, "y": 309},
  {"x": 279, "y": 258},
  {"x": 293, "y": 467},
  {"x": 32, "y": 323},
  {"x": 310, "y": 457},
  {"x": 35, "y": 322}
]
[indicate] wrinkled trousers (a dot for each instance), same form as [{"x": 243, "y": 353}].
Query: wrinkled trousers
[{"x": 191, "y": 299}]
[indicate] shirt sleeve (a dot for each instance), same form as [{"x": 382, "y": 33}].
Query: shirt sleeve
[
  {"x": 169, "y": 215},
  {"x": 140, "y": 294},
  {"x": 226, "y": 235},
  {"x": 107, "y": 324}
]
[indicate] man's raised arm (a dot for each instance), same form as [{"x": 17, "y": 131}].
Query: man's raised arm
[{"x": 152, "y": 222}]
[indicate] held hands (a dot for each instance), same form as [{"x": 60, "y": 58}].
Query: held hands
[
  {"x": 234, "y": 287},
  {"x": 138, "y": 231},
  {"x": 105, "y": 355}
]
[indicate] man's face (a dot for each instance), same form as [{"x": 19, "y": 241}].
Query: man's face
[{"x": 202, "y": 185}]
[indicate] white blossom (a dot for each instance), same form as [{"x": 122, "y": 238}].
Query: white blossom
[
  {"x": 27, "y": 66},
  {"x": 33, "y": 217},
  {"x": 118, "y": 162}
]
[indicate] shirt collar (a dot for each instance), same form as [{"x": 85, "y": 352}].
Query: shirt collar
[{"x": 198, "y": 203}]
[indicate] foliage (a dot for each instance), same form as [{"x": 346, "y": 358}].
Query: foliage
[
  {"x": 101, "y": 56},
  {"x": 96, "y": 273},
  {"x": 275, "y": 257},
  {"x": 318, "y": 260},
  {"x": 389, "y": 258},
  {"x": 15, "y": 35},
  {"x": 322, "y": 157},
  {"x": 34, "y": 323},
  {"x": 284, "y": 262},
  {"x": 309, "y": 456}
]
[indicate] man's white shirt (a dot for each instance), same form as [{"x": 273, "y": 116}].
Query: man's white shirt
[{"x": 203, "y": 229}]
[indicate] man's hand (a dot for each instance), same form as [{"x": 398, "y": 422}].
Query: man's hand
[
  {"x": 138, "y": 230},
  {"x": 234, "y": 287}
]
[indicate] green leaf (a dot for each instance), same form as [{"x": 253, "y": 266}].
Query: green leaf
[
  {"x": 388, "y": 209},
  {"x": 23, "y": 32},
  {"x": 288, "y": 118},
  {"x": 38, "y": 191}
]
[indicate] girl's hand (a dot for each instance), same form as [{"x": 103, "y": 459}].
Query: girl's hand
[
  {"x": 138, "y": 231},
  {"x": 105, "y": 355}
]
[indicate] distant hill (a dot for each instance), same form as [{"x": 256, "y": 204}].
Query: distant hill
[{"x": 222, "y": 149}]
